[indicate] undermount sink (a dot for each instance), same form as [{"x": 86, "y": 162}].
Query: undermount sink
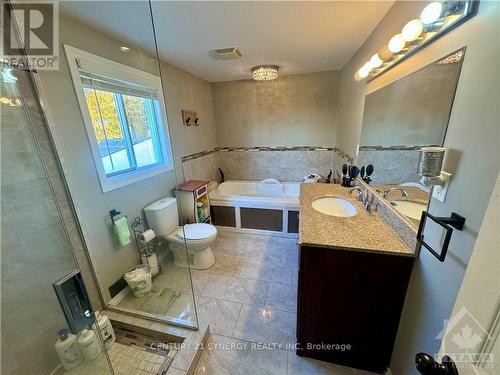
[
  {"x": 411, "y": 209},
  {"x": 334, "y": 206}
]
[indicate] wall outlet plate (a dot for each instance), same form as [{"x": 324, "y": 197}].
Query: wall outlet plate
[{"x": 439, "y": 191}]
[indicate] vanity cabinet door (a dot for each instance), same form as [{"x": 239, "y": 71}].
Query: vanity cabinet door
[
  {"x": 293, "y": 222},
  {"x": 349, "y": 305}
]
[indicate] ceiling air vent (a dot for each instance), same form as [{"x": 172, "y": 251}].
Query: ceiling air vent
[{"x": 228, "y": 53}]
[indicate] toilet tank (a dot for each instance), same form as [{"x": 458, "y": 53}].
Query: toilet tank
[{"x": 162, "y": 216}]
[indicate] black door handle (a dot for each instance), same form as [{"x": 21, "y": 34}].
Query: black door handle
[{"x": 427, "y": 365}]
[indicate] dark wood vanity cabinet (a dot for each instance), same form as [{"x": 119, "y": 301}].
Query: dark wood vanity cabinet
[{"x": 349, "y": 297}]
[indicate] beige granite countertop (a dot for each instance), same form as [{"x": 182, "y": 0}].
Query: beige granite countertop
[{"x": 363, "y": 232}]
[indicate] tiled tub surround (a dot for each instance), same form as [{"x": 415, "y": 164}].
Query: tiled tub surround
[
  {"x": 281, "y": 165},
  {"x": 202, "y": 166},
  {"x": 258, "y": 163},
  {"x": 393, "y": 165},
  {"x": 365, "y": 231}
]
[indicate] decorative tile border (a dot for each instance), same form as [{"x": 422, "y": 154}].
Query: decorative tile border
[
  {"x": 199, "y": 154},
  {"x": 339, "y": 152},
  {"x": 284, "y": 148},
  {"x": 394, "y": 148}
]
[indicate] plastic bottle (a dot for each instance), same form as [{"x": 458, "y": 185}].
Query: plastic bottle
[
  {"x": 89, "y": 345},
  {"x": 107, "y": 332},
  {"x": 201, "y": 213},
  {"x": 67, "y": 350}
]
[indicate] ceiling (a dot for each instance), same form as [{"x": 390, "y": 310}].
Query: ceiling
[{"x": 300, "y": 37}]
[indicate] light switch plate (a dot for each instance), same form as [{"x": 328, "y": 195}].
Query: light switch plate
[{"x": 439, "y": 191}]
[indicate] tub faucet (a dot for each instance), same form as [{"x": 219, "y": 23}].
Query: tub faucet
[
  {"x": 403, "y": 192},
  {"x": 221, "y": 176}
]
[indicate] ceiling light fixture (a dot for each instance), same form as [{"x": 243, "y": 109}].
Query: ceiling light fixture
[
  {"x": 435, "y": 20},
  {"x": 125, "y": 49},
  {"x": 265, "y": 72}
]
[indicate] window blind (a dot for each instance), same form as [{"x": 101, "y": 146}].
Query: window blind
[{"x": 94, "y": 81}]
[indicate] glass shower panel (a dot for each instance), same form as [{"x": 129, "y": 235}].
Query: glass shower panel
[
  {"x": 127, "y": 118},
  {"x": 35, "y": 249}
]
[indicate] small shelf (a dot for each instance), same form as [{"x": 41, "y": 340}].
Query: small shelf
[{"x": 190, "y": 194}]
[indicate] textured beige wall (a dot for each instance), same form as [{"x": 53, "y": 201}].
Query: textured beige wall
[
  {"x": 483, "y": 276},
  {"x": 290, "y": 111},
  {"x": 184, "y": 91},
  {"x": 472, "y": 142}
]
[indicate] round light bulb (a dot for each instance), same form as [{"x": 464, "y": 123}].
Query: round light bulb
[
  {"x": 396, "y": 43},
  {"x": 375, "y": 61},
  {"x": 364, "y": 71},
  {"x": 412, "y": 30},
  {"x": 431, "y": 12}
]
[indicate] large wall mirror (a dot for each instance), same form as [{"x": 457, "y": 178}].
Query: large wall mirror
[{"x": 401, "y": 118}]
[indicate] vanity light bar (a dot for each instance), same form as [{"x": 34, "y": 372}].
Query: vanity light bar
[{"x": 436, "y": 19}]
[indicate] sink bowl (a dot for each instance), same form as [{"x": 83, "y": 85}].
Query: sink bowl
[
  {"x": 409, "y": 208},
  {"x": 334, "y": 206}
]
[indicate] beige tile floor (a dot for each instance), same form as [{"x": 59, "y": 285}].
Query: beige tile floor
[
  {"x": 128, "y": 360},
  {"x": 249, "y": 299},
  {"x": 171, "y": 280}
]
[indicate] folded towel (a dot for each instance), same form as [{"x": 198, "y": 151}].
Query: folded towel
[{"x": 122, "y": 231}]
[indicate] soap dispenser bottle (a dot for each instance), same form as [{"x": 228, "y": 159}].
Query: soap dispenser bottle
[{"x": 67, "y": 350}]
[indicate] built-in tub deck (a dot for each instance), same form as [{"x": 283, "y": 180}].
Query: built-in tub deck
[{"x": 268, "y": 206}]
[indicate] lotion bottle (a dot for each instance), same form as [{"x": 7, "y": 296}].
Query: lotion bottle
[
  {"x": 89, "y": 345},
  {"x": 67, "y": 350}
]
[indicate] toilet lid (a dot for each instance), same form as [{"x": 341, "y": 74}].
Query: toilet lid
[{"x": 197, "y": 231}]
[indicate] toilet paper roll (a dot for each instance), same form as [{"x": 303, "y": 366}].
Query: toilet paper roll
[
  {"x": 146, "y": 236},
  {"x": 151, "y": 261}
]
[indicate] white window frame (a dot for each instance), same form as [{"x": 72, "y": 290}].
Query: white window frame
[{"x": 109, "y": 68}]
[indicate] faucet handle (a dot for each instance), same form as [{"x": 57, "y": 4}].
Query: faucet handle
[
  {"x": 369, "y": 204},
  {"x": 362, "y": 196}
]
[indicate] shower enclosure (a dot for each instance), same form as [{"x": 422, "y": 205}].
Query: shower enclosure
[
  {"x": 38, "y": 246},
  {"x": 109, "y": 116},
  {"x": 54, "y": 206}
]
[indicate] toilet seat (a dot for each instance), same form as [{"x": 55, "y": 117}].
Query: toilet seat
[{"x": 198, "y": 231}]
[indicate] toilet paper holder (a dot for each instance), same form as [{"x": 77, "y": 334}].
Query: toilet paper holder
[{"x": 147, "y": 249}]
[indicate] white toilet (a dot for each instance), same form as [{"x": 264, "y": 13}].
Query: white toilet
[{"x": 163, "y": 219}]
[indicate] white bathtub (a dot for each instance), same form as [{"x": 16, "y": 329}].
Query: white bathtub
[{"x": 267, "y": 206}]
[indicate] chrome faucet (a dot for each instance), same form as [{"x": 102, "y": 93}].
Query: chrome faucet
[
  {"x": 364, "y": 197},
  {"x": 362, "y": 194},
  {"x": 403, "y": 192}
]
